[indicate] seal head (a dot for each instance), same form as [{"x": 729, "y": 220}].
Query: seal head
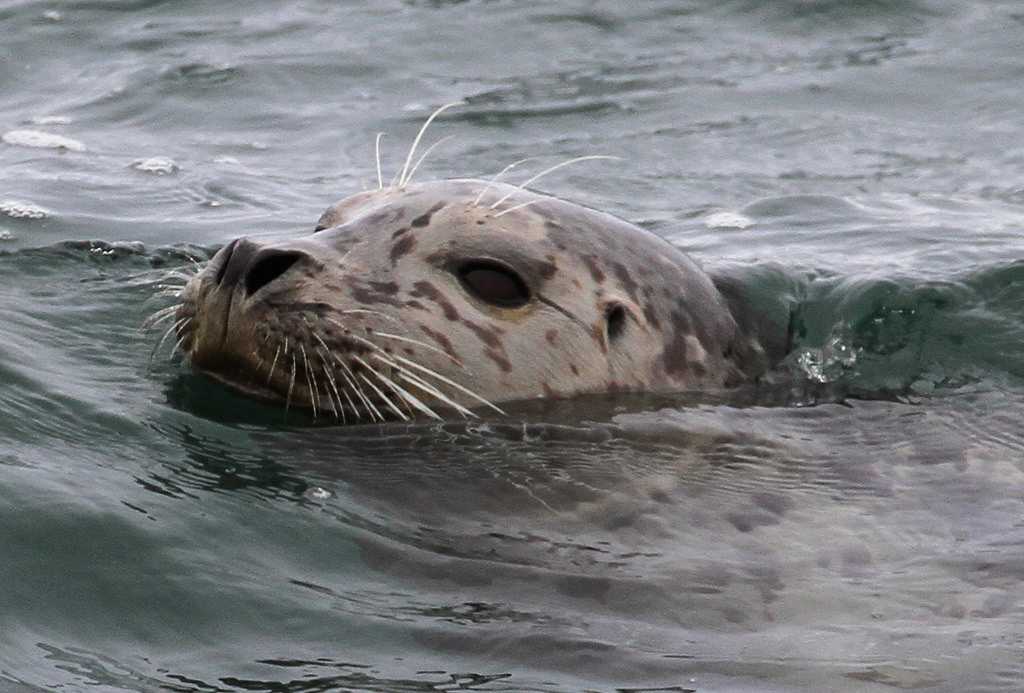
[{"x": 456, "y": 294}]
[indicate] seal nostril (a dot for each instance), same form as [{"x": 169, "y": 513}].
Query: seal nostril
[{"x": 268, "y": 266}]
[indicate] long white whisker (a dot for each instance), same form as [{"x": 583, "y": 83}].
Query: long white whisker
[
  {"x": 515, "y": 207},
  {"x": 351, "y": 377},
  {"x": 420, "y": 384},
  {"x": 376, "y": 146},
  {"x": 178, "y": 344},
  {"x": 169, "y": 291},
  {"x": 404, "y": 177},
  {"x": 336, "y": 404},
  {"x": 314, "y": 393},
  {"x": 353, "y": 385},
  {"x": 419, "y": 161},
  {"x": 406, "y": 396},
  {"x": 417, "y": 342},
  {"x": 447, "y": 381},
  {"x": 291, "y": 384},
  {"x": 159, "y": 316},
  {"x": 522, "y": 186},
  {"x": 273, "y": 364},
  {"x": 380, "y": 393},
  {"x": 176, "y": 327},
  {"x": 496, "y": 178}
]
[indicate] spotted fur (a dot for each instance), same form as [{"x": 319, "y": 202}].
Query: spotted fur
[{"x": 451, "y": 295}]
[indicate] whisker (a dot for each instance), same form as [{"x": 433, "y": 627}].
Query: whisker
[
  {"x": 447, "y": 381},
  {"x": 404, "y": 177},
  {"x": 336, "y": 404},
  {"x": 176, "y": 327},
  {"x": 273, "y": 364},
  {"x": 167, "y": 291},
  {"x": 350, "y": 378},
  {"x": 376, "y": 146},
  {"x": 417, "y": 342},
  {"x": 493, "y": 181},
  {"x": 522, "y": 186},
  {"x": 406, "y": 396},
  {"x": 419, "y": 383},
  {"x": 160, "y": 316},
  {"x": 380, "y": 393},
  {"x": 291, "y": 384},
  {"x": 515, "y": 207},
  {"x": 419, "y": 161},
  {"x": 314, "y": 393}
]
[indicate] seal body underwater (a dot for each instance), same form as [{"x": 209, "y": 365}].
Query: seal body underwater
[{"x": 457, "y": 294}]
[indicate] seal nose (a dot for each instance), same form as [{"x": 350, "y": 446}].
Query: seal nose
[{"x": 247, "y": 264}]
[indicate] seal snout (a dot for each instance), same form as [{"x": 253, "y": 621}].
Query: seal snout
[{"x": 249, "y": 266}]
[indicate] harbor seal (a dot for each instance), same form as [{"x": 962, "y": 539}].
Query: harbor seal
[{"x": 458, "y": 294}]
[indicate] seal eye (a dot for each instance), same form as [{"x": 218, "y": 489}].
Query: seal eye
[{"x": 493, "y": 283}]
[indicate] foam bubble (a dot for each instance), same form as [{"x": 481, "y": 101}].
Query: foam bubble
[
  {"x": 51, "y": 120},
  {"x": 42, "y": 140},
  {"x": 18, "y": 209},
  {"x": 158, "y": 165},
  {"x": 727, "y": 220}
]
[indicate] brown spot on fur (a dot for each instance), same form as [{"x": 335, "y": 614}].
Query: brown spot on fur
[
  {"x": 424, "y": 289},
  {"x": 424, "y": 219},
  {"x": 547, "y": 269},
  {"x": 674, "y": 356},
  {"x": 386, "y": 288},
  {"x": 594, "y": 267},
  {"x": 551, "y": 336},
  {"x": 442, "y": 341},
  {"x": 651, "y": 316},
  {"x": 626, "y": 280},
  {"x": 489, "y": 336},
  {"x": 402, "y": 246},
  {"x": 495, "y": 350},
  {"x": 375, "y": 292}
]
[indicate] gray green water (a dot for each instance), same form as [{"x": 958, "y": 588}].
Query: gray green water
[{"x": 858, "y": 528}]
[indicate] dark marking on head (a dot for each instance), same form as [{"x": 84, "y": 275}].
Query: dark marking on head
[
  {"x": 674, "y": 356},
  {"x": 442, "y": 341},
  {"x": 402, "y": 246},
  {"x": 369, "y": 293},
  {"x": 424, "y": 219},
  {"x": 495, "y": 350},
  {"x": 551, "y": 336},
  {"x": 594, "y": 267},
  {"x": 489, "y": 336},
  {"x": 626, "y": 280},
  {"x": 651, "y": 315},
  {"x": 547, "y": 269},
  {"x": 424, "y": 289},
  {"x": 385, "y": 288}
]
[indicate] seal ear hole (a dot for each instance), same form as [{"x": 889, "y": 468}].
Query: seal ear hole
[
  {"x": 615, "y": 319},
  {"x": 493, "y": 283}
]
